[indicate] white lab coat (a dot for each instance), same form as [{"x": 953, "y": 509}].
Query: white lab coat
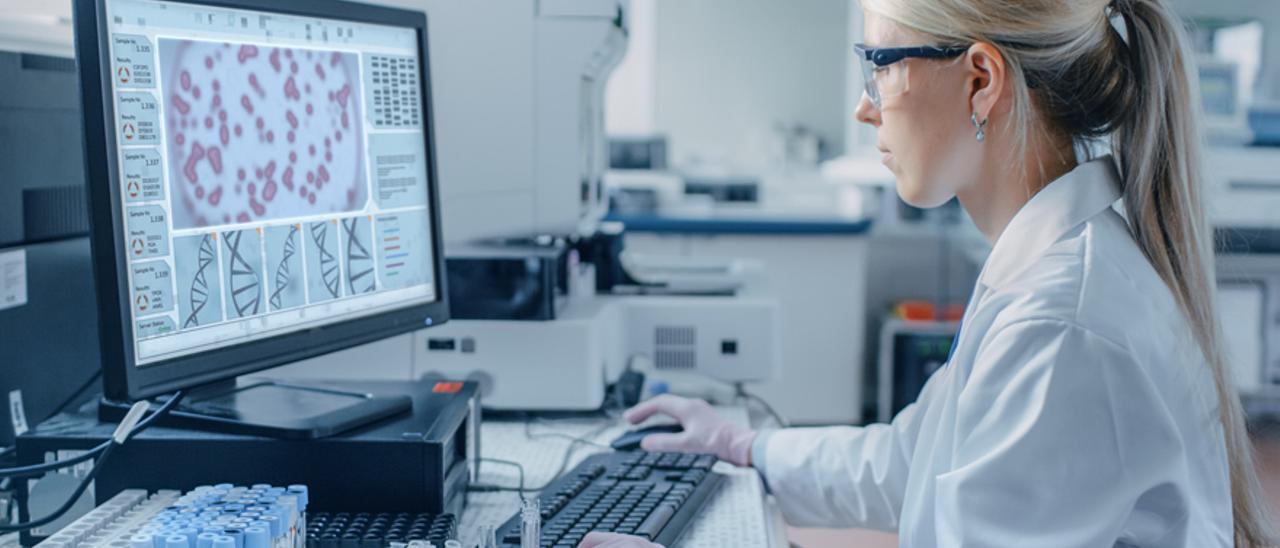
[{"x": 1076, "y": 410}]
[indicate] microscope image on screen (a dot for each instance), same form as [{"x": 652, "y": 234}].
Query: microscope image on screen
[{"x": 261, "y": 133}]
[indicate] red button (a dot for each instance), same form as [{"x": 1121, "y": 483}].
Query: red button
[{"x": 447, "y": 388}]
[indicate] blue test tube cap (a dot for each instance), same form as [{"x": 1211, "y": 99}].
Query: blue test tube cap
[
  {"x": 224, "y": 541},
  {"x": 175, "y": 541},
  {"x": 226, "y": 486},
  {"x": 191, "y": 533},
  {"x": 142, "y": 540},
  {"x": 262, "y": 525},
  {"x": 257, "y": 537},
  {"x": 205, "y": 540},
  {"x": 299, "y": 491},
  {"x": 236, "y": 534},
  {"x": 273, "y": 521}
]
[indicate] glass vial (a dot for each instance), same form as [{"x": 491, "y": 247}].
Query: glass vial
[{"x": 530, "y": 523}]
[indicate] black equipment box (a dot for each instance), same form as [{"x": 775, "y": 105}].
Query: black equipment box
[
  {"x": 507, "y": 281},
  {"x": 419, "y": 462}
]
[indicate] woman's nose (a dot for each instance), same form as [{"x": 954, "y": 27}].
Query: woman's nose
[{"x": 867, "y": 112}]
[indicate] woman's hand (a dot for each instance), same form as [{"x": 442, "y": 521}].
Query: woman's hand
[
  {"x": 614, "y": 540},
  {"x": 705, "y": 431}
]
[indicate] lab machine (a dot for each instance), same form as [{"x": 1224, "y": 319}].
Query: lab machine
[
  {"x": 263, "y": 190},
  {"x": 44, "y": 247},
  {"x": 519, "y": 96}
]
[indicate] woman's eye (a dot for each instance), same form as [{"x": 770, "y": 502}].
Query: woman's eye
[{"x": 880, "y": 71}]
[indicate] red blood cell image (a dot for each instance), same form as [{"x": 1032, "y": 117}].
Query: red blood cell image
[{"x": 215, "y": 143}]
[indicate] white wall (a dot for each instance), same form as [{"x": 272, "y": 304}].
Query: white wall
[
  {"x": 629, "y": 94},
  {"x": 726, "y": 71},
  {"x": 36, "y": 26}
]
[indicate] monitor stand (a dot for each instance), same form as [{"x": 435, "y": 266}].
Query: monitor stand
[{"x": 261, "y": 407}]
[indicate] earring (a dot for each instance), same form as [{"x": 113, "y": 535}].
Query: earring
[{"x": 980, "y": 126}]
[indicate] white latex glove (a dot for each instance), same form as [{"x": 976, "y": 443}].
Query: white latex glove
[
  {"x": 705, "y": 431},
  {"x": 614, "y": 540}
]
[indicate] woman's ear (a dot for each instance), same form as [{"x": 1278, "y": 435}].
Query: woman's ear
[{"x": 987, "y": 76}]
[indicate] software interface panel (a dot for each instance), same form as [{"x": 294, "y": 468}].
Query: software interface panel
[{"x": 273, "y": 172}]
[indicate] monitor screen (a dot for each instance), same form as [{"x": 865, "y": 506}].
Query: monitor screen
[{"x": 273, "y": 172}]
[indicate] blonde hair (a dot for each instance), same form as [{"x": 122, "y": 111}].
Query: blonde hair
[{"x": 1074, "y": 74}]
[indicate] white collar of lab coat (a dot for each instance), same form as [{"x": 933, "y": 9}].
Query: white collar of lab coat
[{"x": 1058, "y": 208}]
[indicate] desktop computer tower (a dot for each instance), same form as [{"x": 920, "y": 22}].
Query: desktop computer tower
[{"x": 421, "y": 462}]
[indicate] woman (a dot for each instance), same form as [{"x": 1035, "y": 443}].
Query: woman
[{"x": 1087, "y": 402}]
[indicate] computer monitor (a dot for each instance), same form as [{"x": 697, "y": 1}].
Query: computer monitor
[{"x": 262, "y": 187}]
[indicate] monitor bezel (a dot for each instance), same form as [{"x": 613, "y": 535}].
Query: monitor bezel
[{"x": 122, "y": 378}]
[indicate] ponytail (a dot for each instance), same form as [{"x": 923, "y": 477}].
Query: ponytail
[{"x": 1157, "y": 147}]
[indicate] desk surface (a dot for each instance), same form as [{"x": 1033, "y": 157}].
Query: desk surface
[{"x": 738, "y": 516}]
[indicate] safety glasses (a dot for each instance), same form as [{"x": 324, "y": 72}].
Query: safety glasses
[{"x": 876, "y": 63}]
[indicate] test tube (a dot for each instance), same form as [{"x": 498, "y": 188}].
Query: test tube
[
  {"x": 530, "y": 523},
  {"x": 273, "y": 521},
  {"x": 205, "y": 540},
  {"x": 141, "y": 540},
  {"x": 451, "y": 543},
  {"x": 300, "y": 491},
  {"x": 191, "y": 533},
  {"x": 224, "y": 542},
  {"x": 488, "y": 536},
  {"x": 236, "y": 534},
  {"x": 175, "y": 541},
  {"x": 257, "y": 537}
]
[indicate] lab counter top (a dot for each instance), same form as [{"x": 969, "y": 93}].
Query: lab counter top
[{"x": 741, "y": 221}]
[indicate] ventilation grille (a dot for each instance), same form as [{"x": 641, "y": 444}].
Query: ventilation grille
[
  {"x": 675, "y": 347},
  {"x": 31, "y": 61},
  {"x": 52, "y": 213}
]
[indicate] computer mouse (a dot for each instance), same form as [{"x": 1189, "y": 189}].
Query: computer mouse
[{"x": 630, "y": 440}]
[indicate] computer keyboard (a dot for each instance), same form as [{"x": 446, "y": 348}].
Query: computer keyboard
[{"x": 652, "y": 495}]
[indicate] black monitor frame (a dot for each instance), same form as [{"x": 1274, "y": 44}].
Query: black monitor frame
[{"x": 122, "y": 378}]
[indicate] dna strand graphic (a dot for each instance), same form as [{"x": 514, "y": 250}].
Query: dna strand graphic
[
  {"x": 283, "y": 276},
  {"x": 359, "y": 261},
  {"x": 199, "y": 294},
  {"x": 243, "y": 279},
  {"x": 328, "y": 263}
]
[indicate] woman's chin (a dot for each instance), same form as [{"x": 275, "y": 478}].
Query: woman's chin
[{"x": 919, "y": 196}]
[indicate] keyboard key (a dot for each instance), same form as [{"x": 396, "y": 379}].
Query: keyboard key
[{"x": 653, "y": 525}]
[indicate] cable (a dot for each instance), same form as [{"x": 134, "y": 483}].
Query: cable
[
  {"x": 84, "y": 484},
  {"x": 93, "y": 473},
  {"x": 38, "y": 469},
  {"x": 74, "y": 395},
  {"x": 483, "y": 488},
  {"x": 740, "y": 391},
  {"x": 574, "y": 441},
  {"x": 101, "y": 460},
  {"x": 568, "y": 454},
  {"x": 528, "y": 432}
]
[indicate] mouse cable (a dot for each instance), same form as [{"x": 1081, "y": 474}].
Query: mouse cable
[
  {"x": 739, "y": 390},
  {"x": 488, "y": 488}
]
